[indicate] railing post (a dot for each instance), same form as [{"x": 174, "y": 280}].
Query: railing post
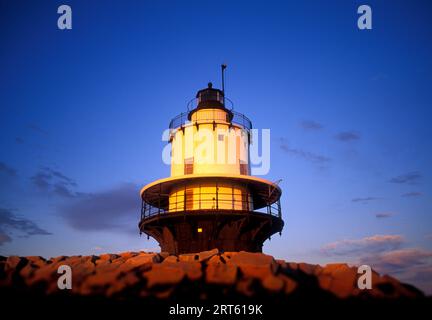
[
  {"x": 159, "y": 198},
  {"x": 217, "y": 196},
  {"x": 279, "y": 209},
  {"x": 184, "y": 199},
  {"x": 143, "y": 208},
  {"x": 232, "y": 197}
]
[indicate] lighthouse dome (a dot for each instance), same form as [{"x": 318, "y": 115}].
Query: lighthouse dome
[{"x": 210, "y": 98}]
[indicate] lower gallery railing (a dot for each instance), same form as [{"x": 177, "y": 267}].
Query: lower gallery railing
[{"x": 210, "y": 202}]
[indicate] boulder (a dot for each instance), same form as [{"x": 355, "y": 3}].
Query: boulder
[
  {"x": 163, "y": 275},
  {"x": 170, "y": 259},
  {"x": 109, "y": 256},
  {"x": 343, "y": 279},
  {"x": 245, "y": 287},
  {"x": 255, "y": 265},
  {"x": 273, "y": 283},
  {"x": 221, "y": 274},
  {"x": 206, "y": 255},
  {"x": 191, "y": 269},
  {"x": 164, "y": 254},
  {"x": 306, "y": 268},
  {"x": 188, "y": 257},
  {"x": 216, "y": 260},
  {"x": 128, "y": 254},
  {"x": 14, "y": 263},
  {"x": 203, "y": 274},
  {"x": 143, "y": 258},
  {"x": 227, "y": 255},
  {"x": 289, "y": 284}
]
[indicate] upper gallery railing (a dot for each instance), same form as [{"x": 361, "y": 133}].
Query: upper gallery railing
[{"x": 237, "y": 117}]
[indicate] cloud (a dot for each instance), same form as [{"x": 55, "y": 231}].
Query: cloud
[
  {"x": 408, "y": 178},
  {"x": 411, "y": 265},
  {"x": 398, "y": 260},
  {"x": 49, "y": 180},
  {"x": 112, "y": 210},
  {"x": 311, "y": 125},
  {"x": 347, "y": 136},
  {"x": 384, "y": 253},
  {"x": 35, "y": 128},
  {"x": 59, "y": 175},
  {"x": 4, "y": 238},
  {"x": 365, "y": 200},
  {"x": 306, "y": 155},
  {"x": 420, "y": 276},
  {"x": 7, "y": 176},
  {"x": 9, "y": 222},
  {"x": 362, "y": 246},
  {"x": 382, "y": 215},
  {"x": 41, "y": 180},
  {"x": 6, "y": 170},
  {"x": 412, "y": 194}
]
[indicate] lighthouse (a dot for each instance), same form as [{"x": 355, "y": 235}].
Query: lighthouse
[{"x": 210, "y": 200}]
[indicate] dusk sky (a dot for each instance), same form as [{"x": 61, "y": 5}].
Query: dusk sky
[{"x": 82, "y": 113}]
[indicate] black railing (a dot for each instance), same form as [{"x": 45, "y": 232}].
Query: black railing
[
  {"x": 237, "y": 117},
  {"x": 209, "y": 202},
  {"x": 242, "y": 120}
]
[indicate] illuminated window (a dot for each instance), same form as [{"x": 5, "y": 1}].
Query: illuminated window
[
  {"x": 189, "y": 199},
  {"x": 199, "y": 230}
]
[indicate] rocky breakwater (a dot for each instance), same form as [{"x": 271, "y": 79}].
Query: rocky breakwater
[{"x": 204, "y": 276}]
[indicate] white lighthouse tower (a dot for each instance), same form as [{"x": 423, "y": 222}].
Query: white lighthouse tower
[{"x": 210, "y": 200}]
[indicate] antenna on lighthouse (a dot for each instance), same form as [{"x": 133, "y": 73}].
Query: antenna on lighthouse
[{"x": 223, "y": 67}]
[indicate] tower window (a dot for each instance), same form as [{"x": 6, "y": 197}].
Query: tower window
[
  {"x": 221, "y": 137},
  {"x": 188, "y": 166},
  {"x": 243, "y": 168}
]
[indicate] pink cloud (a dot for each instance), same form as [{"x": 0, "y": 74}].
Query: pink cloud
[
  {"x": 399, "y": 260},
  {"x": 385, "y": 255},
  {"x": 365, "y": 245}
]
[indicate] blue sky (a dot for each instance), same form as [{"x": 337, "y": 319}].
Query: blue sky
[{"x": 82, "y": 114}]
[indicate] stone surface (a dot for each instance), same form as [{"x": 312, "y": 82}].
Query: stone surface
[
  {"x": 143, "y": 258},
  {"x": 255, "y": 265},
  {"x": 273, "y": 283},
  {"x": 196, "y": 276},
  {"x": 170, "y": 259},
  {"x": 160, "y": 275},
  {"x": 221, "y": 274},
  {"x": 206, "y": 255}
]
